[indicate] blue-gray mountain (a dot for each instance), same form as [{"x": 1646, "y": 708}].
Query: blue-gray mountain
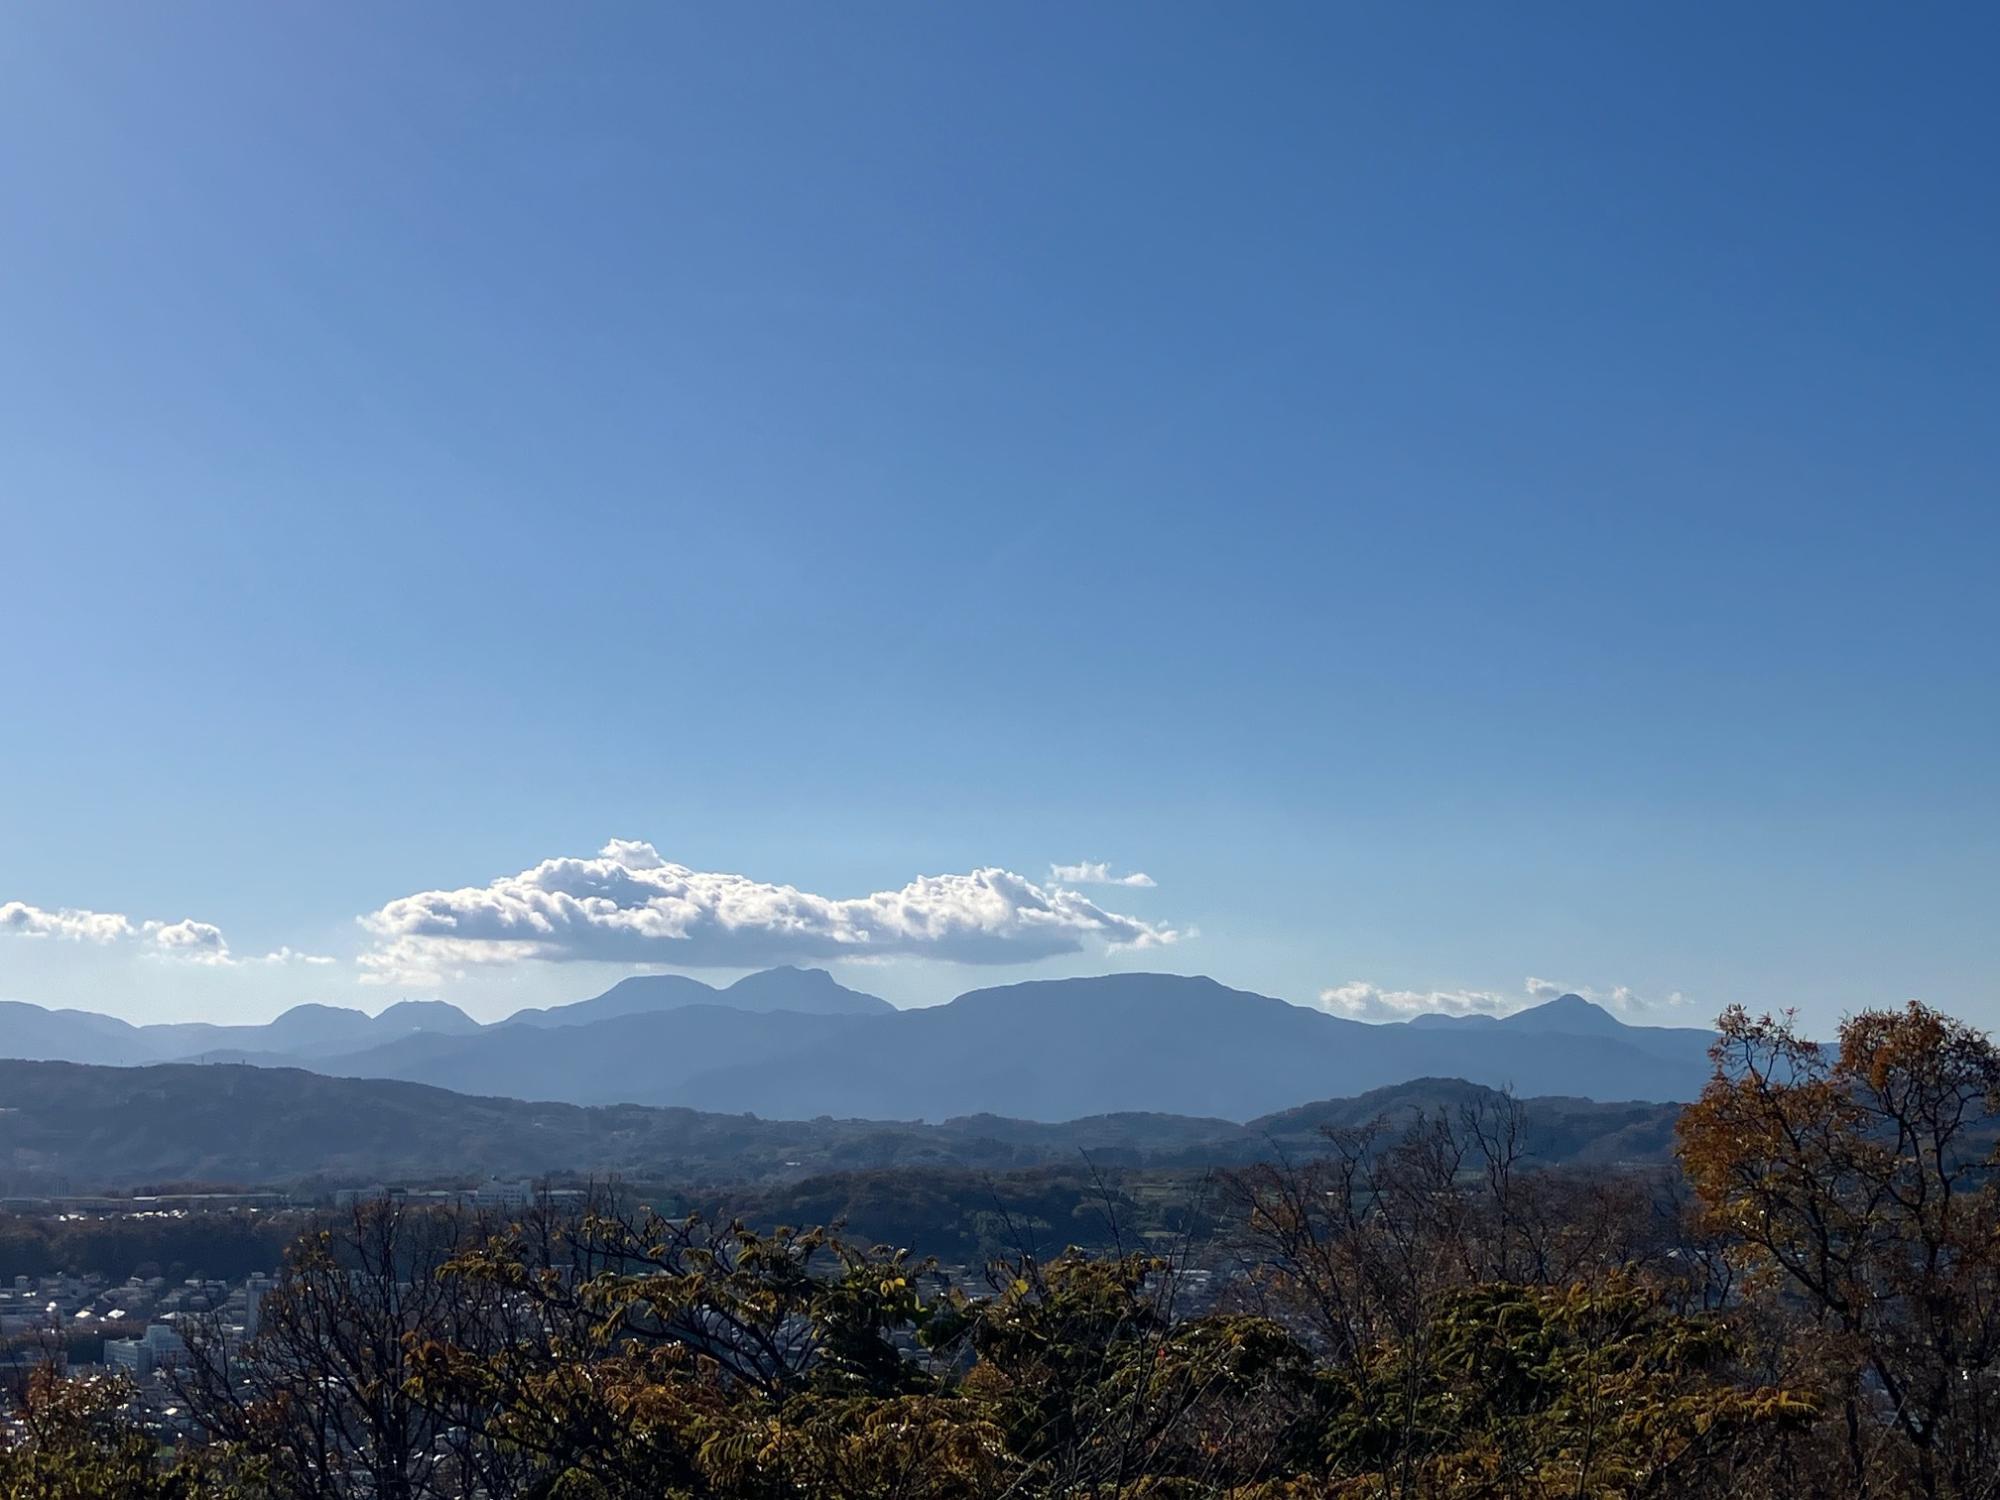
[
  {"x": 307, "y": 1032},
  {"x": 792, "y": 1044}
]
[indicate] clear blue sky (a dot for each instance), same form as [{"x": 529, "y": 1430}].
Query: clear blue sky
[{"x": 1451, "y": 493}]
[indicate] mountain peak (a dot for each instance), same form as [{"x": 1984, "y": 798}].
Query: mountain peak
[
  {"x": 424, "y": 1015},
  {"x": 1567, "y": 1013},
  {"x": 811, "y": 990},
  {"x": 307, "y": 1008}
]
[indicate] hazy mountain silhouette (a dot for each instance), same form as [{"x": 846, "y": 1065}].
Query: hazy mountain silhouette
[
  {"x": 812, "y": 991},
  {"x": 1046, "y": 1050},
  {"x": 29, "y": 1031},
  {"x": 794, "y": 1044},
  {"x": 1568, "y": 1015},
  {"x": 639, "y": 995},
  {"x": 808, "y": 991},
  {"x": 650, "y": 1058},
  {"x": 309, "y": 1032},
  {"x": 306, "y": 1031},
  {"x": 1055, "y": 1049}
]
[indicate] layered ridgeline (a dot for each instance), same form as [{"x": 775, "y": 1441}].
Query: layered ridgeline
[
  {"x": 325, "y": 1031},
  {"x": 793, "y": 1044},
  {"x": 71, "y": 1128}
]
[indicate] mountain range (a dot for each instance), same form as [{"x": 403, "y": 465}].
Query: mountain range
[
  {"x": 794, "y": 1044},
  {"x": 34, "y": 1033}
]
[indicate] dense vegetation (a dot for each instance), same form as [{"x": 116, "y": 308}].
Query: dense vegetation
[{"x": 1812, "y": 1309}]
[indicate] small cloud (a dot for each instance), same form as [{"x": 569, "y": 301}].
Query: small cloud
[
  {"x": 1620, "y": 997},
  {"x": 1091, "y": 872},
  {"x": 293, "y": 956},
  {"x": 633, "y": 854},
  {"x": 187, "y": 940},
  {"x": 67, "y": 924},
  {"x": 1362, "y": 1001},
  {"x": 196, "y": 942}
]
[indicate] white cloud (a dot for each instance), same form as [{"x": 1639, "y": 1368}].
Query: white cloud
[
  {"x": 1096, "y": 872},
  {"x": 1362, "y": 1001},
  {"x": 293, "y": 956},
  {"x": 633, "y": 854},
  {"x": 629, "y": 905},
  {"x": 23, "y": 920},
  {"x": 197, "y": 942},
  {"x": 187, "y": 940},
  {"x": 1617, "y": 997}
]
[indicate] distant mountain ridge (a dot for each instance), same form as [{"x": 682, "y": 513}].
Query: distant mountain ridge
[
  {"x": 812, "y": 992},
  {"x": 794, "y": 1044},
  {"x": 35, "y": 1034},
  {"x": 311, "y": 1031}
]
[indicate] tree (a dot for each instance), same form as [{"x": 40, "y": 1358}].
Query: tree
[
  {"x": 1860, "y": 1181},
  {"x": 323, "y": 1395},
  {"x": 1555, "y": 1391},
  {"x": 647, "y": 1355},
  {"x": 75, "y": 1444},
  {"x": 1097, "y": 1386}
]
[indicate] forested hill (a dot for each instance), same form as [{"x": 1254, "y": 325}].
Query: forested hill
[{"x": 67, "y": 1127}]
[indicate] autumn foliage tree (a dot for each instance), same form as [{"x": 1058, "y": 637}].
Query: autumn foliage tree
[
  {"x": 72, "y": 1444},
  {"x": 1858, "y": 1183}
]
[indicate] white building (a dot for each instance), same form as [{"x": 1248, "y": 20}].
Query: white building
[
  {"x": 164, "y": 1344},
  {"x": 133, "y": 1356},
  {"x": 255, "y": 1290},
  {"x": 498, "y": 1194}
]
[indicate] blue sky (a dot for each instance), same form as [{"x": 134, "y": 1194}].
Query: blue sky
[{"x": 1451, "y": 494}]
